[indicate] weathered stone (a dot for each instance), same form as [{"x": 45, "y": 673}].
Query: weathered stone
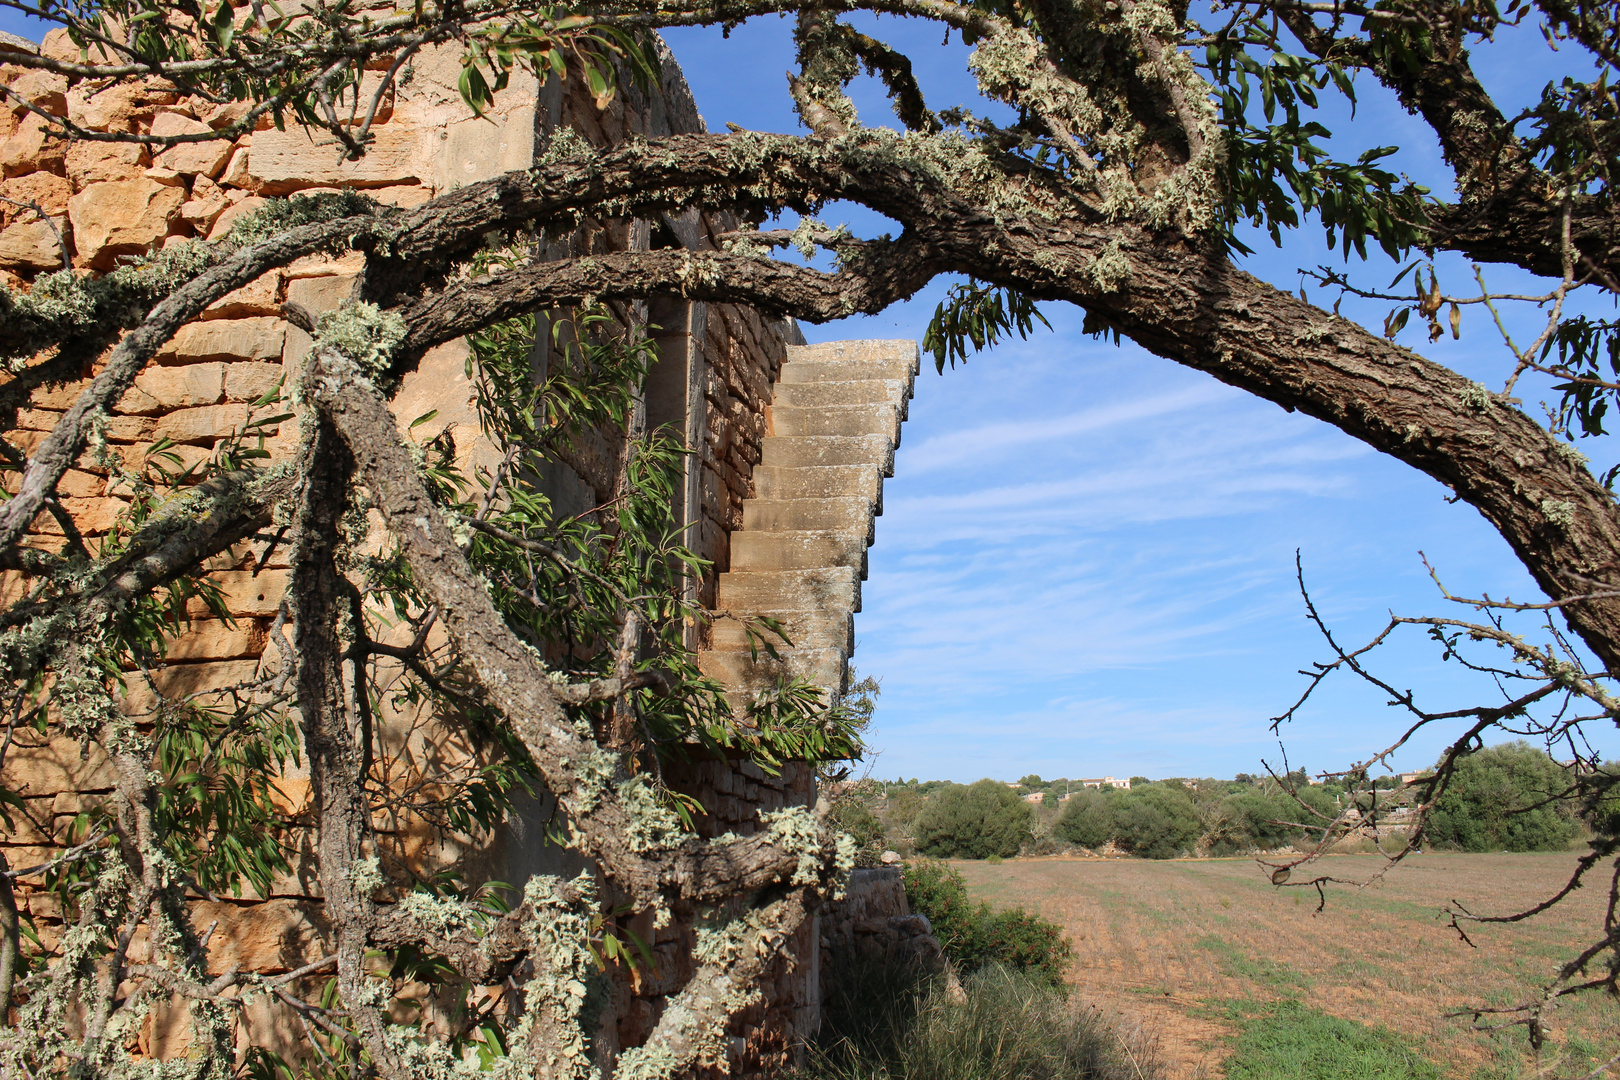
[
  {"x": 218, "y": 339},
  {"x": 477, "y": 148},
  {"x": 212, "y": 639},
  {"x": 225, "y": 113},
  {"x": 204, "y": 158},
  {"x": 160, "y": 389},
  {"x": 122, "y": 428},
  {"x": 46, "y": 766},
  {"x": 250, "y": 381},
  {"x": 78, "y": 484},
  {"x": 320, "y": 293},
  {"x": 113, "y": 108},
  {"x": 237, "y": 172},
  {"x": 291, "y": 160},
  {"x": 90, "y": 516},
  {"x": 199, "y": 214},
  {"x": 57, "y": 45},
  {"x": 222, "y": 224},
  {"x": 121, "y": 217},
  {"x": 204, "y": 424},
  {"x": 175, "y": 681},
  {"x": 258, "y": 297},
  {"x": 277, "y": 935},
  {"x": 97, "y": 162},
  {"x": 23, "y": 151},
  {"x": 404, "y": 196},
  {"x": 36, "y": 419},
  {"x": 43, "y": 89},
  {"x": 35, "y": 244},
  {"x": 326, "y": 266},
  {"x": 50, "y": 191}
]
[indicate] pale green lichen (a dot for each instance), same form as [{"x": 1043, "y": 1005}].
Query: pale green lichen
[
  {"x": 795, "y": 830},
  {"x": 363, "y": 333},
  {"x": 279, "y": 215},
  {"x": 1568, "y": 452},
  {"x": 1476, "y": 396},
  {"x": 565, "y": 142},
  {"x": 646, "y": 1063},
  {"x": 652, "y": 824},
  {"x": 367, "y": 876},
  {"x": 592, "y": 774},
  {"x": 560, "y": 932},
  {"x": 1558, "y": 512},
  {"x": 1110, "y": 269},
  {"x": 441, "y": 914}
]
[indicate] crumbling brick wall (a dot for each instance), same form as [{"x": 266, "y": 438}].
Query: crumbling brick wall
[{"x": 94, "y": 203}]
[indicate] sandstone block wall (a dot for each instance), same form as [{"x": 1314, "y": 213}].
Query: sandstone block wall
[{"x": 86, "y": 205}]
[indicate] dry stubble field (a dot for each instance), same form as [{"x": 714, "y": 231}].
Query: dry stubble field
[{"x": 1173, "y": 945}]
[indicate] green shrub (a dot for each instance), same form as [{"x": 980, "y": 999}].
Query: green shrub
[
  {"x": 1158, "y": 821},
  {"x": 1087, "y": 818},
  {"x": 1001, "y": 1025},
  {"x": 1252, "y": 819},
  {"x": 986, "y": 818},
  {"x": 974, "y": 935},
  {"x": 1504, "y": 798}
]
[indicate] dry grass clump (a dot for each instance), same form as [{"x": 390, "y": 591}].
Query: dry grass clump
[{"x": 997, "y": 1024}]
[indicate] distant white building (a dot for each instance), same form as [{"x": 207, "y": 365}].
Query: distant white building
[{"x": 1099, "y": 781}]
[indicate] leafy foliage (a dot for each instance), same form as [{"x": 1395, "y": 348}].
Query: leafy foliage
[
  {"x": 1509, "y": 797},
  {"x": 978, "y": 315},
  {"x": 1087, "y": 818},
  {"x": 972, "y": 822},
  {"x": 976, "y": 935},
  {"x": 1156, "y": 821},
  {"x": 1279, "y": 171}
]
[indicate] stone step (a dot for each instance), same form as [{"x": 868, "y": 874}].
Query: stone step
[
  {"x": 819, "y": 482},
  {"x": 799, "y": 451},
  {"x": 834, "y": 420},
  {"x": 828, "y": 588},
  {"x": 828, "y": 371},
  {"x": 797, "y": 549},
  {"x": 853, "y": 517},
  {"x": 805, "y": 630},
  {"x": 745, "y": 677},
  {"x": 900, "y": 349},
  {"x": 818, "y": 395}
]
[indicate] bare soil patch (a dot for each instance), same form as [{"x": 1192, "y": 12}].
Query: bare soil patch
[{"x": 1167, "y": 944}]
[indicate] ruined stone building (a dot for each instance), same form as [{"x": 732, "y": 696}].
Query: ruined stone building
[{"x": 793, "y": 443}]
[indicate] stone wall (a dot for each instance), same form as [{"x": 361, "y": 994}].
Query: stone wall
[
  {"x": 874, "y": 921},
  {"x": 101, "y": 202}
]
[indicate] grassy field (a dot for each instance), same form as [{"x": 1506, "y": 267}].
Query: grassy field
[{"x": 1208, "y": 955}]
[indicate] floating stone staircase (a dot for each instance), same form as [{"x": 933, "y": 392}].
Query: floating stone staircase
[{"x": 800, "y": 556}]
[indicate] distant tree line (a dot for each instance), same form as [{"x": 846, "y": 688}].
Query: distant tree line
[{"x": 1511, "y": 797}]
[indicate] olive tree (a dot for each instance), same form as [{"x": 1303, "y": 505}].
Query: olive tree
[{"x": 1134, "y": 148}]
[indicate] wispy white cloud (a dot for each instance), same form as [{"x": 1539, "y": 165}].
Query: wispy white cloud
[{"x": 991, "y": 440}]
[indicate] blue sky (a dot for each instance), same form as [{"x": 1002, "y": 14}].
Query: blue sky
[{"x": 1085, "y": 564}]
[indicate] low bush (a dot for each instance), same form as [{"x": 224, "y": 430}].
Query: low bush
[
  {"x": 975, "y": 935},
  {"x": 1504, "y": 798},
  {"x": 999, "y": 1024},
  {"x": 1156, "y": 821},
  {"x": 1087, "y": 818},
  {"x": 973, "y": 822}
]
